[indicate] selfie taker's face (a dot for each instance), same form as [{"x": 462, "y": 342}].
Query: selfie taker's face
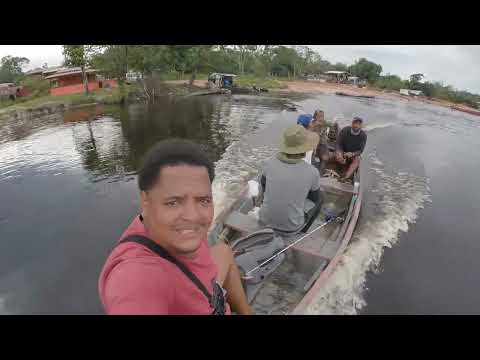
[{"x": 178, "y": 210}]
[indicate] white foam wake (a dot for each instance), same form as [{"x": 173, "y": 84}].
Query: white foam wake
[
  {"x": 372, "y": 126},
  {"x": 238, "y": 164},
  {"x": 401, "y": 195}
]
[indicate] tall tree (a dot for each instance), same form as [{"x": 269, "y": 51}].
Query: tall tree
[
  {"x": 284, "y": 61},
  {"x": 112, "y": 60},
  {"x": 415, "y": 80},
  {"x": 243, "y": 54},
  {"x": 338, "y": 67},
  {"x": 392, "y": 82},
  {"x": 190, "y": 58},
  {"x": 11, "y": 68},
  {"x": 416, "y": 77},
  {"x": 149, "y": 58},
  {"x": 366, "y": 70},
  {"x": 80, "y": 56}
]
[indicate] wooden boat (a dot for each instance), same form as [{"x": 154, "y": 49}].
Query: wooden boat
[
  {"x": 469, "y": 111},
  {"x": 290, "y": 106},
  {"x": 208, "y": 92},
  {"x": 289, "y": 283},
  {"x": 339, "y": 93}
]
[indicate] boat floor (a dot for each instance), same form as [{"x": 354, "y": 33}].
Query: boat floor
[
  {"x": 286, "y": 286},
  {"x": 282, "y": 291}
]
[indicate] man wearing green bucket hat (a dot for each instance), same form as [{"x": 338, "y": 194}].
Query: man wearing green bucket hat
[{"x": 291, "y": 186}]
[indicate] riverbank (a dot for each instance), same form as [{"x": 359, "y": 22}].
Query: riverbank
[
  {"x": 51, "y": 104},
  {"x": 317, "y": 87},
  {"x": 45, "y": 105},
  {"x": 131, "y": 93},
  {"x": 242, "y": 81}
]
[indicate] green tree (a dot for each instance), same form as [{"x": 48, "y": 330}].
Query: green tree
[
  {"x": 415, "y": 81},
  {"x": 149, "y": 58},
  {"x": 416, "y": 77},
  {"x": 221, "y": 59},
  {"x": 365, "y": 69},
  {"x": 338, "y": 67},
  {"x": 317, "y": 65},
  {"x": 189, "y": 58},
  {"x": 11, "y": 68},
  {"x": 196, "y": 57},
  {"x": 112, "y": 60},
  {"x": 243, "y": 54},
  {"x": 284, "y": 61},
  {"x": 304, "y": 56},
  {"x": 80, "y": 56},
  {"x": 391, "y": 82}
]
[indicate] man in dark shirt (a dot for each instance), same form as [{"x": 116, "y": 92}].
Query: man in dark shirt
[{"x": 350, "y": 145}]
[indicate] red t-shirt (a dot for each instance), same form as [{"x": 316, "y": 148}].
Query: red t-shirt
[{"x": 135, "y": 280}]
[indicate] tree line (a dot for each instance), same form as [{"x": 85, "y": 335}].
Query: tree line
[{"x": 178, "y": 61}]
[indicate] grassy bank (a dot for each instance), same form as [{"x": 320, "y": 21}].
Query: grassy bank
[
  {"x": 173, "y": 76},
  {"x": 120, "y": 94},
  {"x": 260, "y": 82},
  {"x": 113, "y": 96},
  {"x": 241, "y": 80}
]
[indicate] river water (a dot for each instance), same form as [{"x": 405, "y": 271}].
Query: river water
[{"x": 68, "y": 190}]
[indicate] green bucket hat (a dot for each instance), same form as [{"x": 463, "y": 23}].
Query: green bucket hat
[{"x": 298, "y": 140}]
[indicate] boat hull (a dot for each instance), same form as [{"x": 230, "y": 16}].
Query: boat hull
[{"x": 308, "y": 265}]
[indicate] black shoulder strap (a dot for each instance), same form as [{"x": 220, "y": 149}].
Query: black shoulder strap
[{"x": 160, "y": 251}]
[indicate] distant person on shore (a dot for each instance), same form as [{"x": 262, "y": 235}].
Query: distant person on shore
[
  {"x": 320, "y": 126},
  {"x": 162, "y": 263},
  {"x": 291, "y": 187},
  {"x": 350, "y": 144}
]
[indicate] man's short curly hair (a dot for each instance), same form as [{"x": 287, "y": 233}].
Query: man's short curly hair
[{"x": 169, "y": 153}]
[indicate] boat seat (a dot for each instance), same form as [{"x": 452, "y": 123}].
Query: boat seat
[
  {"x": 256, "y": 236},
  {"x": 242, "y": 223}
]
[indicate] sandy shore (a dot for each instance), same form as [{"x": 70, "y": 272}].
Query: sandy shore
[
  {"x": 329, "y": 88},
  {"x": 317, "y": 87}
]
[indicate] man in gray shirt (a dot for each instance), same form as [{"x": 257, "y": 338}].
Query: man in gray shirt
[{"x": 289, "y": 183}]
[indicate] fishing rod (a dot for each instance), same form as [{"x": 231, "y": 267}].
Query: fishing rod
[{"x": 330, "y": 219}]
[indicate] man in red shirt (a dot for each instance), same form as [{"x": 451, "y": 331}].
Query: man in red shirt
[{"x": 162, "y": 263}]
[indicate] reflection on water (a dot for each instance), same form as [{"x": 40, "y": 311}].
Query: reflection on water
[
  {"x": 67, "y": 194},
  {"x": 112, "y": 140}
]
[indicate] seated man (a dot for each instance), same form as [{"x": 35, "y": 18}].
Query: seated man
[
  {"x": 162, "y": 264},
  {"x": 319, "y": 125},
  {"x": 350, "y": 145},
  {"x": 291, "y": 187}
]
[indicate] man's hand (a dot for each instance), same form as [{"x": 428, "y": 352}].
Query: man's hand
[
  {"x": 339, "y": 157},
  {"x": 348, "y": 155}
]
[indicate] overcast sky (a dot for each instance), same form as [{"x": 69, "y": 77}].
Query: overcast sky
[{"x": 457, "y": 65}]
